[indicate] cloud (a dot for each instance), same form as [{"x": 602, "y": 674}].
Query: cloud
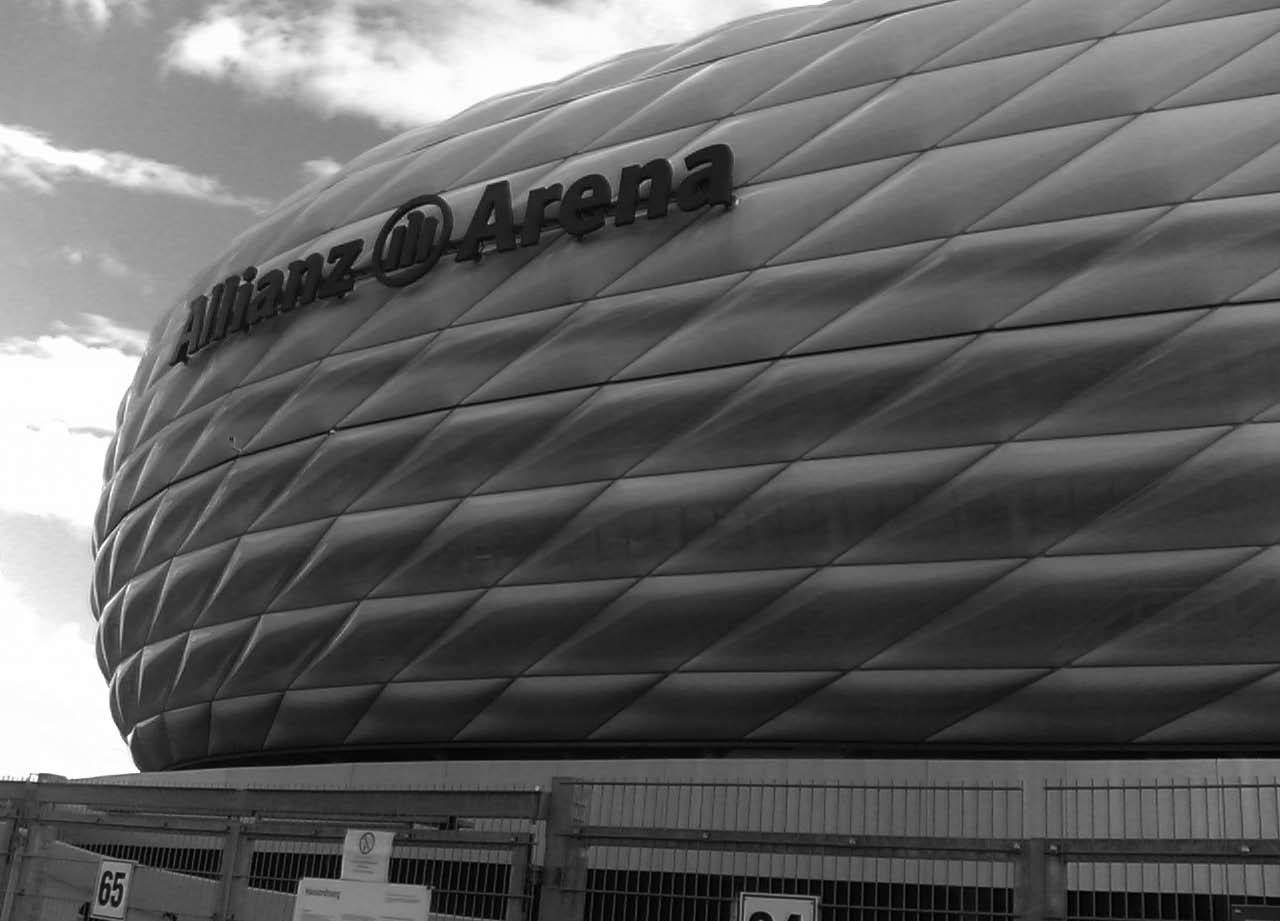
[
  {"x": 58, "y": 720},
  {"x": 406, "y": 62},
  {"x": 56, "y": 419},
  {"x": 29, "y": 159},
  {"x": 110, "y": 265},
  {"x": 319, "y": 169},
  {"x": 104, "y": 262},
  {"x": 97, "y": 331},
  {"x": 61, "y": 395},
  {"x": 99, "y": 13}
]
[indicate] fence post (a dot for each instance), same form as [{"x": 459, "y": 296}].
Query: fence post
[
  {"x": 15, "y": 838},
  {"x": 28, "y": 893},
  {"x": 1040, "y": 892},
  {"x": 237, "y": 857},
  {"x": 13, "y": 846},
  {"x": 1028, "y": 890},
  {"x": 564, "y": 880},
  {"x": 8, "y": 835},
  {"x": 516, "y": 883},
  {"x": 1055, "y": 883}
]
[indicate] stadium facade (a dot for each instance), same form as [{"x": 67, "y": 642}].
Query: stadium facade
[{"x": 887, "y": 377}]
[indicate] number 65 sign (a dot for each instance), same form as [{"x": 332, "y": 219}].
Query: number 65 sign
[
  {"x": 111, "y": 890},
  {"x": 758, "y": 906}
]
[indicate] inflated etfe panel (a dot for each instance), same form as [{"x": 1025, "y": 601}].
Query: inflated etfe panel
[{"x": 953, "y": 426}]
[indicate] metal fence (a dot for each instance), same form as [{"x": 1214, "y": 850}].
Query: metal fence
[
  {"x": 218, "y": 854},
  {"x": 663, "y": 851},
  {"x": 1193, "y": 850},
  {"x": 676, "y": 851}
]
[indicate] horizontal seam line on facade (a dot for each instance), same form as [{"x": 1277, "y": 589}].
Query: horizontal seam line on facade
[
  {"x": 355, "y": 602},
  {"x": 1048, "y": 670},
  {"x": 684, "y": 472},
  {"x": 695, "y": 371}
]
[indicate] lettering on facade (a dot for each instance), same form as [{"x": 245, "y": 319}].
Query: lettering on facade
[{"x": 420, "y": 232}]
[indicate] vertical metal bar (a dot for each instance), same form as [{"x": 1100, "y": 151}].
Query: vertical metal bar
[
  {"x": 230, "y": 854},
  {"x": 648, "y": 860}
]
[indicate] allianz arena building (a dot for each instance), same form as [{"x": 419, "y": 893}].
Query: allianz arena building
[{"x": 885, "y": 381}]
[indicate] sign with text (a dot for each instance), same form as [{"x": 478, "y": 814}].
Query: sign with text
[
  {"x": 366, "y": 855},
  {"x": 348, "y": 900},
  {"x": 110, "y": 899},
  {"x": 419, "y": 232},
  {"x": 760, "y": 906}
]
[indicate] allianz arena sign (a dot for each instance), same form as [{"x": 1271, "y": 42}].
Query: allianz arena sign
[{"x": 420, "y": 232}]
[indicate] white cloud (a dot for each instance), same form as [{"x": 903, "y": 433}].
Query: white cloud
[
  {"x": 96, "y": 330},
  {"x": 319, "y": 169},
  {"x": 110, "y": 265},
  {"x": 53, "y": 702},
  {"x": 61, "y": 394},
  {"x": 99, "y": 13},
  {"x": 28, "y": 158},
  {"x": 406, "y": 62},
  {"x": 106, "y": 263}
]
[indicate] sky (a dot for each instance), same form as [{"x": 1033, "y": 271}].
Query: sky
[{"x": 137, "y": 138}]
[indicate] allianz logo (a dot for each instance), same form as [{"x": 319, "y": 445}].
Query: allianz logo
[{"x": 420, "y": 232}]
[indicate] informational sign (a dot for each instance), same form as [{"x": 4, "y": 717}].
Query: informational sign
[
  {"x": 366, "y": 855},
  {"x": 758, "y": 906},
  {"x": 110, "y": 898},
  {"x": 348, "y": 900}
]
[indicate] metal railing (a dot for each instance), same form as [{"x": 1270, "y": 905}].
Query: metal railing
[{"x": 650, "y": 851}]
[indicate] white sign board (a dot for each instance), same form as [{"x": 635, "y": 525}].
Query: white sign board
[
  {"x": 757, "y": 906},
  {"x": 348, "y": 900},
  {"x": 110, "y": 898},
  {"x": 366, "y": 855}
]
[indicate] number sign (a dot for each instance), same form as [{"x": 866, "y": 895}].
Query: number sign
[
  {"x": 758, "y": 906},
  {"x": 111, "y": 890}
]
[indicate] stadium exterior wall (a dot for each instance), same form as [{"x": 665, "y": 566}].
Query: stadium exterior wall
[{"x": 950, "y": 430}]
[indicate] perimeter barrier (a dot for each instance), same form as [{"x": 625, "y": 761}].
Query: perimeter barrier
[
  {"x": 1193, "y": 850},
  {"x": 586, "y": 850}
]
